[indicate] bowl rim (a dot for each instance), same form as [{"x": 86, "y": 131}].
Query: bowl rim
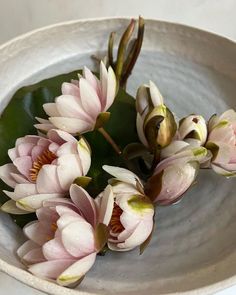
[{"x": 48, "y": 286}]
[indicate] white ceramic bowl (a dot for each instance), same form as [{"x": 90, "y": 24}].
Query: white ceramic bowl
[{"x": 193, "y": 249}]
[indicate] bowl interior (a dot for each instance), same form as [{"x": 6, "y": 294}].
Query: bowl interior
[{"x": 196, "y": 73}]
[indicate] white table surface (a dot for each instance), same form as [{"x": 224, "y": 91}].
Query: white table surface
[{"x": 18, "y": 17}]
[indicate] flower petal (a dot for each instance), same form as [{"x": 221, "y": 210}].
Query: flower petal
[
  {"x": 77, "y": 270},
  {"x": 47, "y": 180},
  {"x": 36, "y": 201},
  {"x": 10, "y": 207},
  {"x": 107, "y": 205},
  {"x": 89, "y": 99},
  {"x": 50, "y": 269},
  {"x": 78, "y": 238},
  {"x": 51, "y": 109},
  {"x": 111, "y": 88},
  {"x": 69, "y": 106},
  {"x": 71, "y": 125},
  {"x": 122, "y": 174},
  {"x": 54, "y": 250},
  {"x": 84, "y": 202},
  {"x": 5, "y": 174}
]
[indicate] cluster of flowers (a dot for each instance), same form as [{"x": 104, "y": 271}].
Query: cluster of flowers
[{"x": 48, "y": 171}]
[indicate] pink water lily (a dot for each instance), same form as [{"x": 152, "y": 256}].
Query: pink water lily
[
  {"x": 126, "y": 211},
  {"x": 62, "y": 243},
  {"x": 222, "y": 142},
  {"x": 43, "y": 168},
  {"x": 82, "y": 104},
  {"x": 193, "y": 129},
  {"x": 176, "y": 172}
]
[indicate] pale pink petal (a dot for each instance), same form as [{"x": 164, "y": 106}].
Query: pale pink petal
[
  {"x": 38, "y": 234},
  {"x": 223, "y": 134},
  {"x": 173, "y": 148},
  {"x": 18, "y": 178},
  {"x": 21, "y": 190},
  {"x": 107, "y": 205},
  {"x": 24, "y": 149},
  {"x": 70, "y": 89},
  {"x": 89, "y": 99},
  {"x": 129, "y": 221},
  {"x": 59, "y": 201},
  {"x": 139, "y": 235},
  {"x": 47, "y": 215},
  {"x": 51, "y": 109},
  {"x": 25, "y": 248},
  {"x": 36, "y": 201},
  {"x": 68, "y": 169},
  {"x": 224, "y": 153},
  {"x": 85, "y": 155},
  {"x": 50, "y": 269},
  {"x": 47, "y": 180},
  {"x": 68, "y": 218},
  {"x": 222, "y": 171},
  {"x": 54, "y": 250},
  {"x": 175, "y": 181},
  {"x": 34, "y": 256},
  {"x": 84, "y": 202},
  {"x": 5, "y": 174},
  {"x": 111, "y": 88},
  {"x": 69, "y": 106},
  {"x": 78, "y": 238},
  {"x": 71, "y": 125},
  {"x": 122, "y": 174},
  {"x": 92, "y": 79},
  {"x": 36, "y": 152},
  {"x": 76, "y": 270},
  {"x": 60, "y": 137},
  {"x": 114, "y": 247},
  {"x": 67, "y": 148},
  {"x": 23, "y": 164},
  {"x": 44, "y": 126},
  {"x": 13, "y": 153},
  {"x": 121, "y": 187}
]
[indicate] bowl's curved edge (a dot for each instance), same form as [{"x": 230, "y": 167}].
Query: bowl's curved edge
[
  {"x": 196, "y": 30},
  {"x": 50, "y": 287}
]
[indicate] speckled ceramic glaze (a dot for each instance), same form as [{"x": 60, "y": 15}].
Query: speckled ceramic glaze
[{"x": 193, "y": 249}]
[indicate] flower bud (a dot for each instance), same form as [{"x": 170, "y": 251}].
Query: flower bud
[
  {"x": 193, "y": 129},
  {"x": 156, "y": 124},
  {"x": 176, "y": 173}
]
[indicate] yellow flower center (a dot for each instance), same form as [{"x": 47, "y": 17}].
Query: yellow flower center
[{"x": 46, "y": 157}]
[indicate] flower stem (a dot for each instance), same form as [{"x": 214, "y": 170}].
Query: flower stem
[{"x": 110, "y": 140}]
